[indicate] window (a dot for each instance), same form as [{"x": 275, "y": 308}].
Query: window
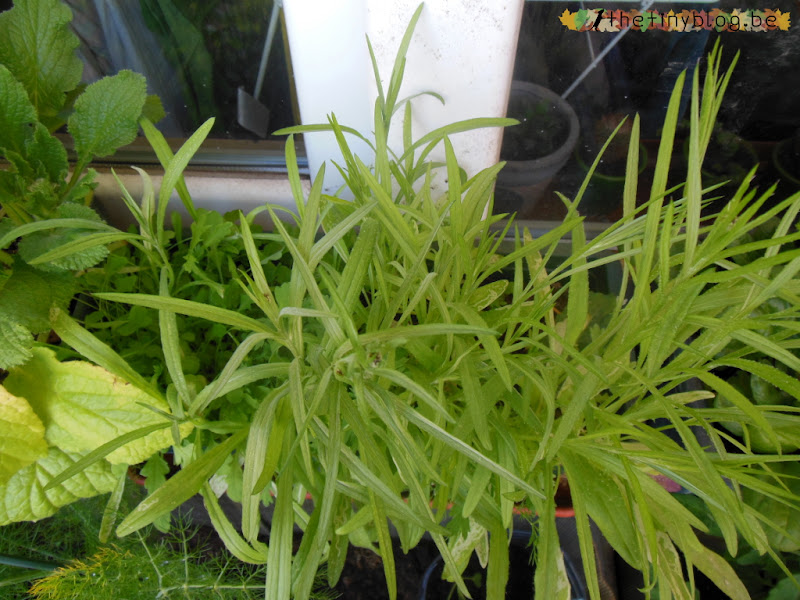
[
  {"x": 606, "y": 76},
  {"x": 570, "y": 88}
]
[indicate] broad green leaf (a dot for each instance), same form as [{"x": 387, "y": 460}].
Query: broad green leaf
[
  {"x": 38, "y": 48},
  {"x": 47, "y": 155},
  {"x": 786, "y": 589},
  {"x": 22, "y": 441},
  {"x": 23, "y": 498},
  {"x": 16, "y": 342},
  {"x": 17, "y": 114},
  {"x": 68, "y": 249},
  {"x": 106, "y": 115},
  {"x": 181, "y": 486},
  {"x": 27, "y": 296},
  {"x": 84, "y": 406}
]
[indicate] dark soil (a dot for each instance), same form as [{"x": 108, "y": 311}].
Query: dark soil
[{"x": 363, "y": 577}]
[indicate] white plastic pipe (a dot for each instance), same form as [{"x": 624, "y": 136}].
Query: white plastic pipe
[{"x": 462, "y": 49}]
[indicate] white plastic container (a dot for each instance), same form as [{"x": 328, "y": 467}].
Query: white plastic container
[{"x": 461, "y": 49}]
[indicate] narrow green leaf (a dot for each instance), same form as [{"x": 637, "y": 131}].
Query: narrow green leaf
[
  {"x": 98, "y": 352},
  {"x": 173, "y": 172},
  {"x": 170, "y": 344},
  {"x": 213, "y": 390},
  {"x": 385, "y": 545},
  {"x": 112, "y": 507},
  {"x": 323, "y": 512},
  {"x": 254, "y": 459},
  {"x": 165, "y": 156},
  {"x": 102, "y": 451},
  {"x": 279, "y": 574},
  {"x": 181, "y": 486},
  {"x": 49, "y": 224},
  {"x": 191, "y": 309},
  {"x": 458, "y": 445},
  {"x": 255, "y": 554}
]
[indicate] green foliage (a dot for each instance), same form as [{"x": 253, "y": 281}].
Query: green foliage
[
  {"x": 403, "y": 378},
  {"x": 39, "y": 51},
  {"x": 23, "y": 435},
  {"x": 404, "y": 364},
  {"x": 66, "y": 560},
  {"x": 83, "y": 407},
  {"x": 766, "y": 576},
  {"x": 20, "y": 316},
  {"x": 23, "y": 497},
  {"x": 106, "y": 115},
  {"x": 40, "y": 74}
]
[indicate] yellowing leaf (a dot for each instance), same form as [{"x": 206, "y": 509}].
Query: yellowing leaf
[
  {"x": 23, "y": 498},
  {"x": 21, "y": 435},
  {"x": 567, "y": 19},
  {"x": 84, "y": 406},
  {"x": 783, "y": 20}
]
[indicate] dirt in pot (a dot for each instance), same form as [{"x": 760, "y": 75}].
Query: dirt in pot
[
  {"x": 363, "y": 577},
  {"x": 520, "y": 580},
  {"x": 542, "y": 130}
]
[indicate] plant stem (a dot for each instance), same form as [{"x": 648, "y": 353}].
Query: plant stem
[{"x": 13, "y": 561}]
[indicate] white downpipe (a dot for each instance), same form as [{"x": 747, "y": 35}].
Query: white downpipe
[{"x": 462, "y": 49}]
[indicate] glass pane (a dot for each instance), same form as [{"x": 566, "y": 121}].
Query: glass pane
[
  {"x": 605, "y": 76},
  {"x": 201, "y": 57}
]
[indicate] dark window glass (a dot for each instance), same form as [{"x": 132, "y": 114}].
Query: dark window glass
[
  {"x": 196, "y": 55},
  {"x": 605, "y": 76}
]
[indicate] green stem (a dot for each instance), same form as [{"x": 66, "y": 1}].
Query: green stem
[
  {"x": 80, "y": 167},
  {"x": 13, "y": 561}
]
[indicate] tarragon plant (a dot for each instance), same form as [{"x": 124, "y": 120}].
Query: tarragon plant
[{"x": 426, "y": 379}]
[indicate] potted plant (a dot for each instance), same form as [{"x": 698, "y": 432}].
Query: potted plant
[
  {"x": 535, "y": 150},
  {"x": 413, "y": 367},
  {"x": 611, "y": 139}
]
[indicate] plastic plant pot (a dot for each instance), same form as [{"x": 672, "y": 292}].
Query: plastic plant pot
[
  {"x": 529, "y": 178},
  {"x": 520, "y": 581},
  {"x": 604, "y": 192}
]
